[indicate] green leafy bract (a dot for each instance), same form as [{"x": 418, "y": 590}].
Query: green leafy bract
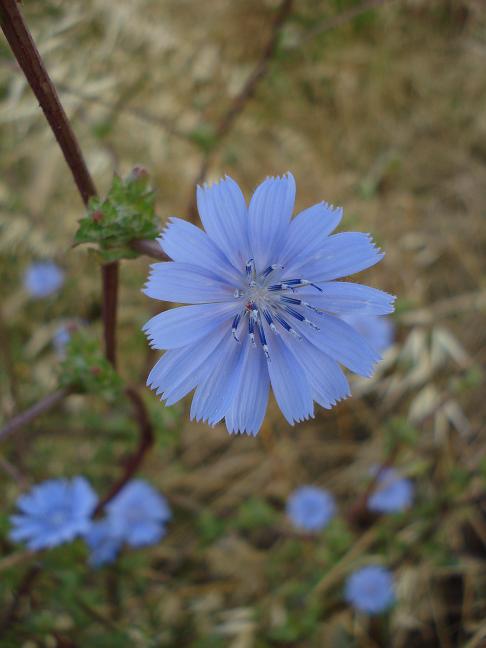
[{"x": 126, "y": 214}]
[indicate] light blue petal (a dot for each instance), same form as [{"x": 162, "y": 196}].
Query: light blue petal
[
  {"x": 186, "y": 325},
  {"x": 224, "y": 214},
  {"x": 83, "y": 497},
  {"x": 326, "y": 379},
  {"x": 378, "y": 331},
  {"x": 214, "y": 396},
  {"x": 289, "y": 381},
  {"x": 341, "y": 342},
  {"x": 248, "y": 409},
  {"x": 180, "y": 370},
  {"x": 186, "y": 243},
  {"x": 145, "y": 533},
  {"x": 341, "y": 255},
  {"x": 270, "y": 210},
  {"x": 309, "y": 230},
  {"x": 342, "y": 297},
  {"x": 186, "y": 283}
]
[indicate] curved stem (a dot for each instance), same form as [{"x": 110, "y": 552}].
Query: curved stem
[{"x": 146, "y": 440}]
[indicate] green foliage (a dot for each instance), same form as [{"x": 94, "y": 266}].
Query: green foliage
[
  {"x": 204, "y": 137},
  {"x": 399, "y": 431},
  {"x": 126, "y": 214},
  {"x": 210, "y": 527},
  {"x": 253, "y": 514},
  {"x": 86, "y": 370}
]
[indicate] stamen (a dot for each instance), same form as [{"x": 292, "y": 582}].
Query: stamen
[
  {"x": 287, "y": 326},
  {"x": 263, "y": 339},
  {"x": 250, "y": 267},
  {"x": 280, "y": 286},
  {"x": 290, "y": 284},
  {"x": 234, "y": 327},
  {"x": 270, "y": 269},
  {"x": 301, "y": 317},
  {"x": 269, "y": 319},
  {"x": 251, "y": 329},
  {"x": 299, "y": 302},
  {"x": 294, "y": 313}
]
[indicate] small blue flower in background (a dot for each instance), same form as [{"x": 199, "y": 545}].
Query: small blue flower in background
[
  {"x": 370, "y": 589},
  {"x": 378, "y": 331},
  {"x": 393, "y": 493},
  {"x": 138, "y": 514},
  {"x": 264, "y": 306},
  {"x": 103, "y": 542},
  {"x": 43, "y": 278},
  {"x": 60, "y": 339},
  {"x": 53, "y": 512},
  {"x": 310, "y": 508}
]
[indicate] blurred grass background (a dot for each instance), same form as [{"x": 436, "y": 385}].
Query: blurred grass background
[{"x": 383, "y": 114}]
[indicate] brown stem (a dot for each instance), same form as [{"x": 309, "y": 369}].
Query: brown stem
[
  {"x": 247, "y": 92},
  {"x": 109, "y": 275},
  {"x": 22, "y": 419},
  {"x": 29, "y": 59},
  {"x": 359, "y": 513},
  {"x": 146, "y": 440}
]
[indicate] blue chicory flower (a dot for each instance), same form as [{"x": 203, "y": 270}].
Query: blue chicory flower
[
  {"x": 310, "y": 508},
  {"x": 370, "y": 589},
  {"x": 43, "y": 278},
  {"x": 393, "y": 493},
  {"x": 60, "y": 338},
  {"x": 264, "y": 306},
  {"x": 138, "y": 514},
  {"x": 53, "y": 512},
  {"x": 378, "y": 331},
  {"x": 103, "y": 541}
]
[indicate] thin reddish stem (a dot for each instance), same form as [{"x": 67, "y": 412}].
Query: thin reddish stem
[
  {"x": 146, "y": 440},
  {"x": 24, "y": 418}
]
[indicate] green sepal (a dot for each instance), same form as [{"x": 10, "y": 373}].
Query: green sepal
[
  {"x": 126, "y": 214},
  {"x": 86, "y": 370}
]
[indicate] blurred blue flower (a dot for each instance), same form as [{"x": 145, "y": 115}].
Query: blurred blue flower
[
  {"x": 370, "y": 589},
  {"x": 43, "y": 278},
  {"x": 138, "y": 514},
  {"x": 103, "y": 542},
  {"x": 60, "y": 339},
  {"x": 265, "y": 308},
  {"x": 393, "y": 493},
  {"x": 378, "y": 331},
  {"x": 310, "y": 508},
  {"x": 53, "y": 512}
]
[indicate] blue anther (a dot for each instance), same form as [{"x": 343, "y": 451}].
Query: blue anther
[
  {"x": 234, "y": 327},
  {"x": 294, "y": 313}
]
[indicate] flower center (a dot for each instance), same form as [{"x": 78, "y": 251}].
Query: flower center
[{"x": 267, "y": 296}]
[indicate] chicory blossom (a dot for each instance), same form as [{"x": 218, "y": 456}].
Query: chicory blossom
[
  {"x": 138, "y": 514},
  {"x": 310, "y": 508},
  {"x": 53, "y": 512},
  {"x": 103, "y": 542},
  {"x": 378, "y": 331},
  {"x": 43, "y": 278},
  {"x": 370, "y": 589},
  {"x": 393, "y": 493},
  {"x": 264, "y": 306}
]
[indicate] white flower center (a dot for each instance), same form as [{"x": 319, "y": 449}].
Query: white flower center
[{"x": 267, "y": 296}]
